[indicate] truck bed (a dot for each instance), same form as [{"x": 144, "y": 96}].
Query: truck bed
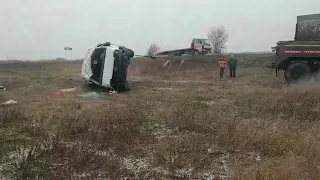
[
  {"x": 174, "y": 50},
  {"x": 299, "y": 48}
]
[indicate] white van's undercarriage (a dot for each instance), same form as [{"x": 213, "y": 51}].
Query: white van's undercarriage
[{"x": 106, "y": 65}]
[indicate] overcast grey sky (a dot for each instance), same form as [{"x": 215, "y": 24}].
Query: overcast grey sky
[{"x": 39, "y": 29}]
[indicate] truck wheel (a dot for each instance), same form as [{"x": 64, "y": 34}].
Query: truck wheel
[
  {"x": 196, "y": 53},
  {"x": 297, "y": 71}
]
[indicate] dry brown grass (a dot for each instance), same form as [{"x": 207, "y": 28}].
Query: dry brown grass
[{"x": 178, "y": 124}]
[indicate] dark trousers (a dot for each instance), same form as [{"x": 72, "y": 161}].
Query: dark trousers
[
  {"x": 221, "y": 72},
  {"x": 232, "y": 71}
]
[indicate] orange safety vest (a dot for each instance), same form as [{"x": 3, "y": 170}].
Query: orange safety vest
[{"x": 222, "y": 63}]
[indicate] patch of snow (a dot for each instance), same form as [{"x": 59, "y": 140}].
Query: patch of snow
[
  {"x": 162, "y": 132},
  {"x": 71, "y": 144},
  {"x": 225, "y": 166},
  {"x": 134, "y": 165},
  {"x": 92, "y": 149},
  {"x": 219, "y": 169},
  {"x": 209, "y": 103},
  {"x": 226, "y": 101},
  {"x": 102, "y": 153},
  {"x": 184, "y": 172},
  {"x": 213, "y": 150},
  {"x": 254, "y": 155},
  {"x": 11, "y": 101},
  {"x": 258, "y": 158},
  {"x": 82, "y": 175},
  {"x": 20, "y": 154},
  {"x": 208, "y": 176}
]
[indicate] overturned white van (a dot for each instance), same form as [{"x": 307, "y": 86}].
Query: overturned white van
[{"x": 105, "y": 65}]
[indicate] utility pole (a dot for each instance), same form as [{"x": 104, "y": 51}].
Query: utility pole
[{"x": 70, "y": 50}]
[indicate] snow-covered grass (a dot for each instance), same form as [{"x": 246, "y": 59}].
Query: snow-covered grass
[{"x": 185, "y": 124}]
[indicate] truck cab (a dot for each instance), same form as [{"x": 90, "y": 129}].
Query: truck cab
[{"x": 201, "y": 46}]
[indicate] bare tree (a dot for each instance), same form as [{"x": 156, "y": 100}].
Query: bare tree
[
  {"x": 153, "y": 49},
  {"x": 218, "y": 37}
]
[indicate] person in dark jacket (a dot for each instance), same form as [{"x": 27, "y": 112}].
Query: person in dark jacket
[{"x": 232, "y": 64}]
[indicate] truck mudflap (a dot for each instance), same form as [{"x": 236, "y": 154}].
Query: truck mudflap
[{"x": 277, "y": 72}]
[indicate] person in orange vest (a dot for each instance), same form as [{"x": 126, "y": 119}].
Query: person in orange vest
[{"x": 222, "y": 64}]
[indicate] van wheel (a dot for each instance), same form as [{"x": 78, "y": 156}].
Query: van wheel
[{"x": 297, "y": 71}]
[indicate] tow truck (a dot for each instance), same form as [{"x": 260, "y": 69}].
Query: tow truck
[{"x": 198, "y": 47}]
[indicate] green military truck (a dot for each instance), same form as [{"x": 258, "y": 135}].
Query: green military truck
[{"x": 300, "y": 58}]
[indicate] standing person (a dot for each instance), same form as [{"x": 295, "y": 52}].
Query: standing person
[
  {"x": 222, "y": 64},
  {"x": 232, "y": 63}
]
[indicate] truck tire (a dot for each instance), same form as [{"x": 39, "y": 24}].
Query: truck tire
[
  {"x": 297, "y": 71},
  {"x": 196, "y": 53}
]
